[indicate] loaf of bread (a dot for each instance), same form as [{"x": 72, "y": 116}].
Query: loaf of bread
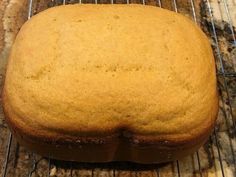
[{"x": 98, "y": 83}]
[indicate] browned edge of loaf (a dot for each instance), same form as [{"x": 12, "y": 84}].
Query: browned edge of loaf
[{"x": 119, "y": 146}]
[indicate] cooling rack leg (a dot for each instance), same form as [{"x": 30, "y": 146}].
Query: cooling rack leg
[
  {"x": 7, "y": 155},
  {"x": 30, "y": 9},
  {"x": 49, "y": 166},
  {"x": 175, "y": 5},
  {"x": 158, "y": 172},
  {"x": 219, "y": 154},
  {"x": 159, "y": 3},
  {"x": 193, "y": 11},
  {"x": 178, "y": 168},
  {"x": 33, "y": 166},
  {"x": 199, "y": 164}
]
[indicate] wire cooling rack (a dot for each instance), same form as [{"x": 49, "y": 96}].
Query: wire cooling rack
[{"x": 216, "y": 158}]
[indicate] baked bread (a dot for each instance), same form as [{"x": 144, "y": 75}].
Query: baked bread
[{"x": 98, "y": 83}]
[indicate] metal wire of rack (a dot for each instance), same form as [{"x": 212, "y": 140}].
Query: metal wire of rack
[{"x": 222, "y": 73}]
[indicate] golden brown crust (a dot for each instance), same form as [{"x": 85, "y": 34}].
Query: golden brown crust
[
  {"x": 116, "y": 147},
  {"x": 111, "y": 148},
  {"x": 159, "y": 97}
]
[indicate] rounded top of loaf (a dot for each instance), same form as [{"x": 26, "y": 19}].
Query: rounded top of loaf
[{"x": 97, "y": 69}]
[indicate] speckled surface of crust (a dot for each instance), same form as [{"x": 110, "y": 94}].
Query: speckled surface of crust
[{"x": 159, "y": 90}]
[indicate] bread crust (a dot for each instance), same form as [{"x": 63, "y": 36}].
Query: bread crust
[
  {"x": 153, "y": 104},
  {"x": 119, "y": 146}
]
